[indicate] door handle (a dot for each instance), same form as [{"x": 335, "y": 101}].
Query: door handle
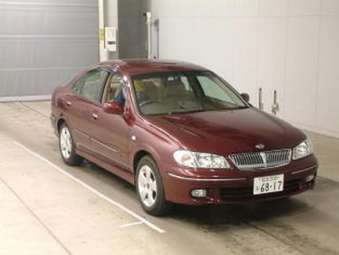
[{"x": 94, "y": 116}]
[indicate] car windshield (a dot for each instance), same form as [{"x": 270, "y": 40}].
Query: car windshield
[{"x": 183, "y": 92}]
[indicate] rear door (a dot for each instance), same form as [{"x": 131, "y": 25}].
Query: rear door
[{"x": 86, "y": 95}]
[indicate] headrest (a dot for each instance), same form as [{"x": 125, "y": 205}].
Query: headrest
[
  {"x": 139, "y": 85},
  {"x": 175, "y": 88}
]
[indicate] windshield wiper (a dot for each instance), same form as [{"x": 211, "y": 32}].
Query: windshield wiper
[
  {"x": 183, "y": 112},
  {"x": 240, "y": 107}
]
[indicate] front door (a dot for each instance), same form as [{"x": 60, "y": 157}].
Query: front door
[{"x": 110, "y": 132}]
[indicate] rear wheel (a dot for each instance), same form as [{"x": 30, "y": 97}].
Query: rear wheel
[
  {"x": 150, "y": 188},
  {"x": 67, "y": 147}
]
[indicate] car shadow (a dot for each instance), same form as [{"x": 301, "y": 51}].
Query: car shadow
[
  {"x": 235, "y": 214},
  {"x": 228, "y": 214}
]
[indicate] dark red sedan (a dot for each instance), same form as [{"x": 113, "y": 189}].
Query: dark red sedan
[{"x": 181, "y": 134}]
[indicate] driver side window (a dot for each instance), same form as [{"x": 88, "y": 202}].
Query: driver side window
[{"x": 114, "y": 90}]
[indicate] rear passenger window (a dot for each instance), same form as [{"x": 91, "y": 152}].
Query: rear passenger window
[
  {"x": 77, "y": 86},
  {"x": 90, "y": 86}
]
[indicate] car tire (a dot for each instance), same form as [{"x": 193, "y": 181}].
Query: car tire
[
  {"x": 67, "y": 147},
  {"x": 150, "y": 188}
]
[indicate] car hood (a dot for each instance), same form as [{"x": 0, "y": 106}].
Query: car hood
[{"x": 230, "y": 131}]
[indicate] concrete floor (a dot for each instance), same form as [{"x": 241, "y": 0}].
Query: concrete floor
[{"x": 49, "y": 208}]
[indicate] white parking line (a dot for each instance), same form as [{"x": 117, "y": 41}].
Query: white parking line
[
  {"x": 99, "y": 194},
  {"x": 130, "y": 224}
]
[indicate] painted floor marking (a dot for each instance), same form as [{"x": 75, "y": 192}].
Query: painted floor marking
[{"x": 96, "y": 192}]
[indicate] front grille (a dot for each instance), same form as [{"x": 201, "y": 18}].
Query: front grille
[{"x": 261, "y": 160}]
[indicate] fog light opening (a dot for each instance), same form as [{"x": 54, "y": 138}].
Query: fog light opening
[
  {"x": 199, "y": 193},
  {"x": 309, "y": 178}
]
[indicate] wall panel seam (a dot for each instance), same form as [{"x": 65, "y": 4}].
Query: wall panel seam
[{"x": 41, "y": 4}]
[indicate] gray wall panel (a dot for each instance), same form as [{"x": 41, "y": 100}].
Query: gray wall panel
[
  {"x": 43, "y": 43},
  {"x": 47, "y": 52},
  {"x": 132, "y": 28},
  {"x": 28, "y": 82}
]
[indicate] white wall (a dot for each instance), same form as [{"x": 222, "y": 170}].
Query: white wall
[{"x": 288, "y": 45}]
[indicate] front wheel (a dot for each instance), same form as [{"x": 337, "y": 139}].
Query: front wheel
[
  {"x": 150, "y": 188},
  {"x": 67, "y": 147}
]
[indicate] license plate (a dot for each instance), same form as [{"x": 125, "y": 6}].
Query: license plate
[{"x": 268, "y": 184}]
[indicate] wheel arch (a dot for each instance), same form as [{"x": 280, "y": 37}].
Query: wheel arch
[
  {"x": 138, "y": 156},
  {"x": 145, "y": 151},
  {"x": 59, "y": 124},
  {"x": 162, "y": 207}
]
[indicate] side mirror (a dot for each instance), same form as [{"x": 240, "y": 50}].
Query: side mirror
[
  {"x": 113, "y": 107},
  {"x": 245, "y": 96}
]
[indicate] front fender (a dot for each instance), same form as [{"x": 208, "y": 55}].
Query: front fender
[{"x": 160, "y": 148}]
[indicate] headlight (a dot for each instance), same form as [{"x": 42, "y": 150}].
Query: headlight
[
  {"x": 200, "y": 160},
  {"x": 302, "y": 150}
]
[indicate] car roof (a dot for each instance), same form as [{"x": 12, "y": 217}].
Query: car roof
[{"x": 143, "y": 66}]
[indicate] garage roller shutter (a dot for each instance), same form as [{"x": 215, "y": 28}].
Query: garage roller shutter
[{"x": 43, "y": 43}]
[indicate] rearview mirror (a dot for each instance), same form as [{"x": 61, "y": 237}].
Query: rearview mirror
[
  {"x": 113, "y": 107},
  {"x": 245, "y": 96}
]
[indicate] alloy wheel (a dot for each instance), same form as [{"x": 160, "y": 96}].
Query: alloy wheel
[
  {"x": 65, "y": 143},
  {"x": 147, "y": 186}
]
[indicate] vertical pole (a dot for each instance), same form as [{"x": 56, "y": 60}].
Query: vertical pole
[
  {"x": 102, "y": 53},
  {"x": 275, "y": 106},
  {"x": 261, "y": 104},
  {"x": 157, "y": 27},
  {"x": 149, "y": 34}
]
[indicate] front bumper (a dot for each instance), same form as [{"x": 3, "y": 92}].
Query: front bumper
[{"x": 235, "y": 189}]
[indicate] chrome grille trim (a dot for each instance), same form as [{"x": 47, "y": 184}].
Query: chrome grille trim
[{"x": 261, "y": 160}]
